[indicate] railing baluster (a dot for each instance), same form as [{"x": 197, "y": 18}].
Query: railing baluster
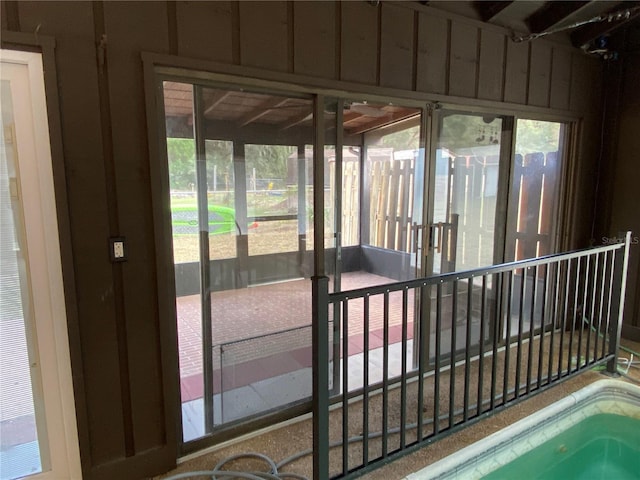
[
  {"x": 403, "y": 370},
  {"x": 565, "y": 311},
  {"x": 385, "y": 374},
  {"x": 422, "y": 339},
  {"x": 574, "y": 315},
  {"x": 581, "y": 312},
  {"x": 345, "y": 385},
  {"x": 554, "y": 318},
  {"x": 483, "y": 306},
  {"x": 603, "y": 278},
  {"x": 612, "y": 262},
  {"x": 543, "y": 316},
  {"x": 523, "y": 284},
  {"x": 507, "y": 350},
  {"x": 365, "y": 380},
  {"x": 532, "y": 328},
  {"x": 594, "y": 287},
  {"x": 497, "y": 335},
  {"x": 467, "y": 355},
  {"x": 438, "y": 366},
  {"x": 452, "y": 360}
]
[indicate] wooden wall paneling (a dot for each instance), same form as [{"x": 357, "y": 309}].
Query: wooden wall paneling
[
  {"x": 626, "y": 178},
  {"x": 4, "y": 23},
  {"x": 560, "y": 78},
  {"x": 396, "y": 49},
  {"x": 516, "y": 72},
  {"x": 10, "y": 15},
  {"x": 132, "y": 28},
  {"x": 95, "y": 361},
  {"x": 586, "y": 83},
  {"x": 579, "y": 82},
  {"x": 491, "y": 65},
  {"x": 205, "y": 30},
  {"x": 463, "y": 63},
  {"x": 315, "y": 39},
  {"x": 433, "y": 54},
  {"x": 359, "y": 45},
  {"x": 539, "y": 74},
  {"x": 264, "y": 35}
]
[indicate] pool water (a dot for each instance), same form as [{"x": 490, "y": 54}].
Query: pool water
[{"x": 604, "y": 446}]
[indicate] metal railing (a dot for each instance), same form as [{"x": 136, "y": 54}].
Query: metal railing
[{"x": 478, "y": 341}]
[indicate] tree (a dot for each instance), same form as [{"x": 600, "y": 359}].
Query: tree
[{"x": 181, "y": 155}]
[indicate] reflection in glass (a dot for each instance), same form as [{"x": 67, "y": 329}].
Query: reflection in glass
[
  {"x": 534, "y": 186},
  {"x": 466, "y": 191}
]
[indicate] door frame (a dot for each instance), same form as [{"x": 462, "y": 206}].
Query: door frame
[{"x": 42, "y": 234}]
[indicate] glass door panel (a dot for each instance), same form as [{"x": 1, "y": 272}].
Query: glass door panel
[
  {"x": 240, "y": 212},
  {"x": 393, "y": 198},
  {"x": 532, "y": 213},
  {"x": 465, "y": 222}
]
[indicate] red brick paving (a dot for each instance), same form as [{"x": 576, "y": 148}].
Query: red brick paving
[{"x": 269, "y": 309}]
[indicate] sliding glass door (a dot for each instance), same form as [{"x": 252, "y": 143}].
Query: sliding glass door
[{"x": 406, "y": 195}]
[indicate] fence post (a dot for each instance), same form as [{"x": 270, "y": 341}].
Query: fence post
[
  {"x": 617, "y": 308},
  {"x": 320, "y": 353}
]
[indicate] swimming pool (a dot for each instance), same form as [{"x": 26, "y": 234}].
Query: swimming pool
[{"x": 595, "y": 431}]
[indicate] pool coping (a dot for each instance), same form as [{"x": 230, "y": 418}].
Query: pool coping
[{"x": 466, "y": 463}]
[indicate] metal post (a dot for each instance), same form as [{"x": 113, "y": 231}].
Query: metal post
[
  {"x": 205, "y": 280},
  {"x": 320, "y": 302},
  {"x": 320, "y": 351},
  {"x": 617, "y": 308}
]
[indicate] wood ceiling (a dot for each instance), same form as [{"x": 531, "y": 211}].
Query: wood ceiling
[
  {"x": 527, "y": 17},
  {"x": 241, "y": 109}
]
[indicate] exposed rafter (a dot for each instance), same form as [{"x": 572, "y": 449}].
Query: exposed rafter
[
  {"x": 349, "y": 117},
  {"x": 588, "y": 33},
  {"x": 214, "y": 101},
  {"x": 489, "y": 9},
  {"x": 292, "y": 122},
  {"x": 262, "y": 110},
  {"x": 380, "y": 122},
  {"x": 551, "y": 14}
]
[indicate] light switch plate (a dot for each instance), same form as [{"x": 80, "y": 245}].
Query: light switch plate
[{"x": 117, "y": 249}]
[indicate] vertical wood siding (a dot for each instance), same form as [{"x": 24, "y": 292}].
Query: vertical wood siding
[
  {"x": 122, "y": 413},
  {"x": 560, "y": 79},
  {"x": 516, "y": 80},
  {"x": 88, "y": 211},
  {"x": 491, "y": 67},
  {"x": 396, "y": 49},
  {"x": 314, "y": 40},
  {"x": 433, "y": 54},
  {"x": 359, "y": 46},
  {"x": 264, "y": 35},
  {"x": 540, "y": 75},
  {"x": 205, "y": 23},
  {"x": 463, "y": 63},
  {"x": 136, "y": 27}
]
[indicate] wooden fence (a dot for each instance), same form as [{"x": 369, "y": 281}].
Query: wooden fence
[{"x": 472, "y": 193}]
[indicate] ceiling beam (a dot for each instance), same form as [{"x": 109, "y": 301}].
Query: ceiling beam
[
  {"x": 261, "y": 110},
  {"x": 215, "y": 100},
  {"x": 588, "y": 33},
  {"x": 350, "y": 116},
  {"x": 489, "y": 9},
  {"x": 382, "y": 121},
  {"x": 292, "y": 122},
  {"x": 551, "y": 14}
]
